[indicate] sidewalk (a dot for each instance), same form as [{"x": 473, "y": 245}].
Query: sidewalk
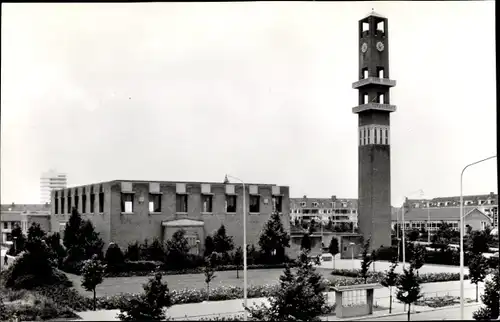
[{"x": 234, "y": 307}]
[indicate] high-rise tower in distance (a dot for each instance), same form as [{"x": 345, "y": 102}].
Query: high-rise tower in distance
[
  {"x": 374, "y": 108},
  {"x": 49, "y": 181}
]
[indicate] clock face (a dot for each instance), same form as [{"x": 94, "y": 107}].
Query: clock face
[
  {"x": 380, "y": 46},
  {"x": 364, "y": 47}
]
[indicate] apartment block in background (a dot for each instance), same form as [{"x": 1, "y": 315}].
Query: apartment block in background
[{"x": 51, "y": 180}]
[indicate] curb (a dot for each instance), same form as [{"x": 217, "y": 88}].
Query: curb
[{"x": 426, "y": 309}]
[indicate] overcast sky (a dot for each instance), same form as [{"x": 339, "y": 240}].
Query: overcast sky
[{"x": 262, "y": 91}]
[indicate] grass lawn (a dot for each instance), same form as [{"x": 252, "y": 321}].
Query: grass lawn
[{"x": 117, "y": 285}]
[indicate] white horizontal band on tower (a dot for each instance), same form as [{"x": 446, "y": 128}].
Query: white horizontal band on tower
[{"x": 374, "y": 134}]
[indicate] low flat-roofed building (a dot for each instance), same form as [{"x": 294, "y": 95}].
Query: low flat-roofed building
[
  {"x": 22, "y": 215},
  {"x": 126, "y": 211}
]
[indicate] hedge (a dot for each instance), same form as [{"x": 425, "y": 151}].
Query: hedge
[{"x": 147, "y": 268}]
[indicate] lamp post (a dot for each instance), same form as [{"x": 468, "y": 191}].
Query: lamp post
[
  {"x": 245, "y": 313},
  {"x": 351, "y": 244},
  {"x": 428, "y": 223},
  {"x": 462, "y": 235}
]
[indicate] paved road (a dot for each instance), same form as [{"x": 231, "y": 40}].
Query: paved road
[{"x": 440, "y": 315}]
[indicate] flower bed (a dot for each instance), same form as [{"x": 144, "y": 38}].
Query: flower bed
[
  {"x": 376, "y": 277},
  {"x": 30, "y": 306},
  {"x": 440, "y": 301}
]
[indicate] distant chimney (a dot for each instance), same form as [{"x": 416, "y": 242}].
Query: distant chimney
[
  {"x": 492, "y": 194},
  {"x": 334, "y": 198},
  {"x": 305, "y": 197},
  {"x": 13, "y": 204}
]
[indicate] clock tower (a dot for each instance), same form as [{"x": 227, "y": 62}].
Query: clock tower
[{"x": 374, "y": 150}]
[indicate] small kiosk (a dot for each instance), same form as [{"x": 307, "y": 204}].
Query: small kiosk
[{"x": 354, "y": 300}]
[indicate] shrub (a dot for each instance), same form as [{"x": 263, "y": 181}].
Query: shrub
[
  {"x": 42, "y": 309},
  {"x": 145, "y": 268},
  {"x": 133, "y": 252},
  {"x": 114, "y": 257},
  {"x": 33, "y": 268},
  {"x": 149, "y": 305}
]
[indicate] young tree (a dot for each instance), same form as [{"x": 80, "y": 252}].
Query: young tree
[
  {"x": 19, "y": 241},
  {"x": 490, "y": 299},
  {"x": 223, "y": 243},
  {"x": 390, "y": 279},
  {"x": 333, "y": 248},
  {"x": 92, "y": 275},
  {"x": 274, "y": 239},
  {"x": 150, "y": 305},
  {"x": 408, "y": 288},
  {"x": 299, "y": 297},
  {"x": 478, "y": 241},
  {"x": 478, "y": 270},
  {"x": 177, "y": 250},
  {"x": 366, "y": 260},
  {"x": 306, "y": 243},
  {"x": 418, "y": 253},
  {"x": 209, "y": 273},
  {"x": 238, "y": 259}
]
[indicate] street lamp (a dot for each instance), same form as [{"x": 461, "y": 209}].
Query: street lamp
[
  {"x": 462, "y": 235},
  {"x": 245, "y": 314},
  {"x": 351, "y": 244}
]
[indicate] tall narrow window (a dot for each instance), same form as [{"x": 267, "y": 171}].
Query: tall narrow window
[
  {"x": 360, "y": 132},
  {"x": 56, "y": 201},
  {"x": 365, "y": 98},
  {"x": 207, "y": 203},
  {"x": 70, "y": 205},
  {"x": 63, "y": 202},
  {"x": 386, "y": 136},
  {"x": 84, "y": 202},
  {"x": 101, "y": 200},
  {"x": 230, "y": 203},
  {"x": 127, "y": 202},
  {"x": 277, "y": 204},
  {"x": 254, "y": 204},
  {"x": 92, "y": 200},
  {"x": 181, "y": 203},
  {"x": 375, "y": 130},
  {"x": 154, "y": 203},
  {"x": 76, "y": 200}
]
